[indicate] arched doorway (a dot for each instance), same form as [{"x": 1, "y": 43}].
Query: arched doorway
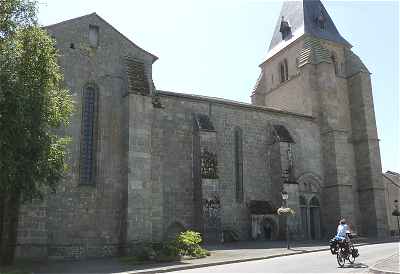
[
  {"x": 315, "y": 219},
  {"x": 309, "y": 205}
]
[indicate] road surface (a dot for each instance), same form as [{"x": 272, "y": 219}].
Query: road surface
[{"x": 317, "y": 262}]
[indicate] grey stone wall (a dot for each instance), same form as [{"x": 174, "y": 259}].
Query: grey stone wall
[
  {"x": 373, "y": 218},
  {"x": 90, "y": 220},
  {"x": 258, "y": 180}
]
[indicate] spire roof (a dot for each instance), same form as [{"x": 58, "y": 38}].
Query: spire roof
[{"x": 303, "y": 17}]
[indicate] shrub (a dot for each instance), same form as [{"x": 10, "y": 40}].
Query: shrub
[
  {"x": 200, "y": 253},
  {"x": 166, "y": 252},
  {"x": 188, "y": 242},
  {"x": 185, "y": 244}
]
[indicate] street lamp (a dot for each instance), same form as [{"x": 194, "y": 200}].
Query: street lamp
[
  {"x": 285, "y": 196},
  {"x": 396, "y": 213}
]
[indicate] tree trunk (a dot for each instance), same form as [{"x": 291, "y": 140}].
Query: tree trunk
[{"x": 9, "y": 223}]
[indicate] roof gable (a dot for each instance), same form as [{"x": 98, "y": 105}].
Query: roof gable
[{"x": 73, "y": 20}]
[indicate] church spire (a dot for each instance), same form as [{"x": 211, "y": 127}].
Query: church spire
[{"x": 303, "y": 17}]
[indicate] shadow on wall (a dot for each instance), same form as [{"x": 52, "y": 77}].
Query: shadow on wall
[{"x": 173, "y": 230}]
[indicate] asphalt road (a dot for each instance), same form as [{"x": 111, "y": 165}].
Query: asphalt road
[{"x": 317, "y": 262}]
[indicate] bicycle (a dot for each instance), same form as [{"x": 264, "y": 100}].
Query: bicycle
[{"x": 344, "y": 250}]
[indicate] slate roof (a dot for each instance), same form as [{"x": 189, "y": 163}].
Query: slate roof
[{"x": 302, "y": 17}]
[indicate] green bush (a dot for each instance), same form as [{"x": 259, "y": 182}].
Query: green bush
[
  {"x": 188, "y": 242},
  {"x": 201, "y": 253},
  {"x": 166, "y": 252},
  {"x": 185, "y": 244}
]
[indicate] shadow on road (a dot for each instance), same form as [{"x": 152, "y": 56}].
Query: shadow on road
[{"x": 355, "y": 265}]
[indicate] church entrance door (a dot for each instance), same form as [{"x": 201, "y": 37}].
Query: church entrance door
[{"x": 315, "y": 225}]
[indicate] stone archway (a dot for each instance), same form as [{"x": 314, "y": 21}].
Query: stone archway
[{"x": 309, "y": 203}]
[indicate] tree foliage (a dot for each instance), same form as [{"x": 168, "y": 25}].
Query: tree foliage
[
  {"x": 33, "y": 104},
  {"x": 15, "y": 14}
]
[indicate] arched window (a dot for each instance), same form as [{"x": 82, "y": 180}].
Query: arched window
[
  {"x": 88, "y": 135},
  {"x": 283, "y": 68}
]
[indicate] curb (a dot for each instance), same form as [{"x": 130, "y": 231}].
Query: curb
[
  {"x": 186, "y": 267},
  {"x": 375, "y": 269}
]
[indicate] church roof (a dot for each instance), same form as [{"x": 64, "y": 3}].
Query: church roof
[{"x": 303, "y": 17}]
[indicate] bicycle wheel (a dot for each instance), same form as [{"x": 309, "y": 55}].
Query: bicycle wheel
[
  {"x": 351, "y": 259},
  {"x": 340, "y": 259}
]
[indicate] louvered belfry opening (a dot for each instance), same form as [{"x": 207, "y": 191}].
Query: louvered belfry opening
[
  {"x": 137, "y": 79},
  {"x": 87, "y": 157}
]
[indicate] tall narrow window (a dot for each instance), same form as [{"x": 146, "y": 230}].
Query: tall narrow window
[
  {"x": 286, "y": 70},
  {"x": 334, "y": 62},
  {"x": 94, "y": 36},
  {"x": 283, "y": 67},
  {"x": 239, "y": 164},
  {"x": 87, "y": 153}
]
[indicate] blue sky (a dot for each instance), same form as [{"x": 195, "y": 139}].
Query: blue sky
[{"x": 214, "y": 48}]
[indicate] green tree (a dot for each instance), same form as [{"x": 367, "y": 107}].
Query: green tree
[{"x": 34, "y": 107}]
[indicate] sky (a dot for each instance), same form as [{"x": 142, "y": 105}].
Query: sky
[{"x": 214, "y": 47}]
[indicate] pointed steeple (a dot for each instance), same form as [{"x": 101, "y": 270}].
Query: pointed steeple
[{"x": 303, "y": 17}]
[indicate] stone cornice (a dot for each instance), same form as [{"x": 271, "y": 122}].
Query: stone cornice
[{"x": 226, "y": 102}]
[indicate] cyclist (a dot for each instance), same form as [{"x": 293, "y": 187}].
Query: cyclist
[
  {"x": 342, "y": 234},
  {"x": 342, "y": 230}
]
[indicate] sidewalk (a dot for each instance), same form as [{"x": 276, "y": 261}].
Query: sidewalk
[
  {"x": 387, "y": 266},
  {"x": 220, "y": 254}
]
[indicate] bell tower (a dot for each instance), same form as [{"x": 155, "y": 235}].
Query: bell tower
[{"x": 309, "y": 68}]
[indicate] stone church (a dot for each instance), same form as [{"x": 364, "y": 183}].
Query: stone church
[{"x": 147, "y": 163}]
